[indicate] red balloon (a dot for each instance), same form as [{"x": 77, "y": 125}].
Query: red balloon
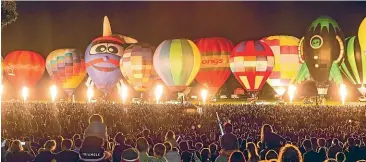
[
  {"x": 252, "y": 63},
  {"x": 215, "y": 66},
  {"x": 24, "y": 68}
]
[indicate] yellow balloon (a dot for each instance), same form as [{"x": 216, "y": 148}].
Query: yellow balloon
[
  {"x": 362, "y": 40},
  {"x": 362, "y": 35},
  {"x": 287, "y": 63},
  {"x": 67, "y": 68}
]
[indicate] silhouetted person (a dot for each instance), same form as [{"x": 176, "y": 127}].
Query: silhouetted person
[
  {"x": 269, "y": 139},
  {"x": 66, "y": 155},
  {"x": 119, "y": 147},
  {"x": 47, "y": 155},
  {"x": 310, "y": 155}
]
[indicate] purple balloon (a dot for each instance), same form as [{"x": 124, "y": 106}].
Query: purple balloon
[{"x": 102, "y": 62}]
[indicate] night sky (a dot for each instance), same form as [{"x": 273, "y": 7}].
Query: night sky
[{"x": 46, "y": 26}]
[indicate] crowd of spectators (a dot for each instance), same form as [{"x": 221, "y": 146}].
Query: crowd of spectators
[{"x": 108, "y": 132}]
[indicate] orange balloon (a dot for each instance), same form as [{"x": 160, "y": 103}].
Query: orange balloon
[{"x": 24, "y": 68}]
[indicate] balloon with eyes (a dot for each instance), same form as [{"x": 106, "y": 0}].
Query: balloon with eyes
[{"x": 102, "y": 58}]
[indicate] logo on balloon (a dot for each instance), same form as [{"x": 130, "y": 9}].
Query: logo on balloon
[
  {"x": 214, "y": 62},
  {"x": 316, "y": 41}
]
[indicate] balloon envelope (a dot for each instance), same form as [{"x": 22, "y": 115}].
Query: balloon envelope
[
  {"x": 252, "y": 63},
  {"x": 177, "y": 62},
  {"x": 362, "y": 36},
  {"x": 215, "y": 67},
  {"x": 322, "y": 46},
  {"x": 67, "y": 68},
  {"x": 102, "y": 66},
  {"x": 24, "y": 68},
  {"x": 136, "y": 66},
  {"x": 354, "y": 65},
  {"x": 287, "y": 64},
  {"x": 102, "y": 58}
]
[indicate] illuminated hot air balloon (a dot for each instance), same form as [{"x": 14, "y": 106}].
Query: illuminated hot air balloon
[
  {"x": 67, "y": 68},
  {"x": 362, "y": 40},
  {"x": 322, "y": 49},
  {"x": 177, "y": 63},
  {"x": 354, "y": 65},
  {"x": 137, "y": 66},
  {"x": 252, "y": 63},
  {"x": 24, "y": 68},
  {"x": 215, "y": 67},
  {"x": 102, "y": 58},
  {"x": 285, "y": 50}
]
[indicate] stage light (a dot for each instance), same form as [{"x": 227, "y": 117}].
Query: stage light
[
  {"x": 25, "y": 92},
  {"x": 124, "y": 93},
  {"x": 158, "y": 92},
  {"x": 90, "y": 94},
  {"x": 204, "y": 94},
  {"x": 291, "y": 92},
  {"x": 53, "y": 91},
  {"x": 343, "y": 92}
]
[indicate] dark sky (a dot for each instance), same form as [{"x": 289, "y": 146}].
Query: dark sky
[{"x": 46, "y": 26}]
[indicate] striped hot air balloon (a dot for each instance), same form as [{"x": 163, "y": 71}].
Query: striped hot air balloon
[
  {"x": 24, "y": 68},
  {"x": 67, "y": 68},
  {"x": 136, "y": 66},
  {"x": 177, "y": 62},
  {"x": 215, "y": 67},
  {"x": 354, "y": 65},
  {"x": 252, "y": 63},
  {"x": 285, "y": 50}
]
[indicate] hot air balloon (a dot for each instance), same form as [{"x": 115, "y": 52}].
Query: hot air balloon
[
  {"x": 177, "y": 63},
  {"x": 136, "y": 66},
  {"x": 285, "y": 50},
  {"x": 322, "y": 49},
  {"x": 362, "y": 36},
  {"x": 67, "y": 68},
  {"x": 102, "y": 58},
  {"x": 354, "y": 63},
  {"x": 252, "y": 63},
  {"x": 362, "y": 40},
  {"x": 24, "y": 68},
  {"x": 215, "y": 67}
]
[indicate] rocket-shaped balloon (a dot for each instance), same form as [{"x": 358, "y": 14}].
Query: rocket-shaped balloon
[{"x": 322, "y": 49}]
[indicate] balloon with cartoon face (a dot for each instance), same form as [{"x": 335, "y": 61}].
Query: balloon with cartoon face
[
  {"x": 322, "y": 49},
  {"x": 102, "y": 58}
]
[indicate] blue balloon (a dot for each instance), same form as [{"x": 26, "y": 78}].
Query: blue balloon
[
  {"x": 102, "y": 58},
  {"x": 102, "y": 62}
]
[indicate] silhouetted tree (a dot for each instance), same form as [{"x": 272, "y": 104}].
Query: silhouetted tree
[{"x": 8, "y": 12}]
